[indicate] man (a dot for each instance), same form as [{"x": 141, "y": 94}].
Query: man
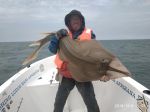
[{"x": 76, "y": 25}]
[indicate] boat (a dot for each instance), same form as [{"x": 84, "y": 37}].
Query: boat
[{"x": 33, "y": 89}]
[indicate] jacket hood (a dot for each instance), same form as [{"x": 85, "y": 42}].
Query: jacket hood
[{"x": 74, "y": 12}]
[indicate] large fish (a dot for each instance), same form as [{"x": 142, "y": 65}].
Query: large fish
[{"x": 87, "y": 60}]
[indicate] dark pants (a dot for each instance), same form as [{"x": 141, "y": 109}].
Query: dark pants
[{"x": 86, "y": 90}]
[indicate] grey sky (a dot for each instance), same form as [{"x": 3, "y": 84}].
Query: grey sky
[{"x": 25, "y": 20}]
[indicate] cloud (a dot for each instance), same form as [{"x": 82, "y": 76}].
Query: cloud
[
  {"x": 41, "y": 9},
  {"x": 105, "y": 17}
]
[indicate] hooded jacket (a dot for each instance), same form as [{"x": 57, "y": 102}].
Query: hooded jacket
[{"x": 54, "y": 43}]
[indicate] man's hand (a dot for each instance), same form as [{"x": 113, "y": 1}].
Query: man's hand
[{"x": 61, "y": 33}]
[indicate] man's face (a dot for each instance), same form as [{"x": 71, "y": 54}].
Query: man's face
[{"x": 75, "y": 22}]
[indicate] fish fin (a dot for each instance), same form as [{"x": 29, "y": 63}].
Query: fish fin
[
  {"x": 119, "y": 71},
  {"x": 37, "y": 43},
  {"x": 31, "y": 57},
  {"x": 42, "y": 41},
  {"x": 46, "y": 33},
  {"x": 117, "y": 66}
]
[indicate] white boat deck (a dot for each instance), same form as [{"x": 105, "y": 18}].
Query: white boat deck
[{"x": 110, "y": 96}]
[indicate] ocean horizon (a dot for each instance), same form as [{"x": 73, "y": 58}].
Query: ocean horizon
[{"x": 133, "y": 53}]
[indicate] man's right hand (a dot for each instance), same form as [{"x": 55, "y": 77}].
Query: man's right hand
[{"x": 61, "y": 33}]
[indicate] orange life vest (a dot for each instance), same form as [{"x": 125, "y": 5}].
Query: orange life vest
[{"x": 61, "y": 65}]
